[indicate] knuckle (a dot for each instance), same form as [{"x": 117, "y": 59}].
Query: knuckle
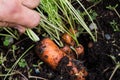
[{"x": 36, "y": 21}]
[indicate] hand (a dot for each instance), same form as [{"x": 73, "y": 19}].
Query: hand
[{"x": 19, "y": 14}]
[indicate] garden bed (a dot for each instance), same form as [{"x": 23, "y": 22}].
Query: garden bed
[{"x": 19, "y": 60}]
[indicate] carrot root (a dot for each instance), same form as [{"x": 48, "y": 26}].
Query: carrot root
[{"x": 51, "y": 54}]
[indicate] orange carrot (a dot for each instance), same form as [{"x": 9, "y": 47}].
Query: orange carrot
[
  {"x": 66, "y": 49},
  {"x": 68, "y": 39},
  {"x": 50, "y": 53}
]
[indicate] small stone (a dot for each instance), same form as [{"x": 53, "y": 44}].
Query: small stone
[
  {"x": 107, "y": 36},
  {"x": 11, "y": 40},
  {"x": 118, "y": 54},
  {"x": 93, "y": 26},
  {"x": 37, "y": 71}
]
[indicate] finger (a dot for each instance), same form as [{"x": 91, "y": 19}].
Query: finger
[
  {"x": 25, "y": 17},
  {"x": 29, "y": 18},
  {"x": 5, "y": 24},
  {"x": 31, "y": 3},
  {"x": 20, "y": 28}
]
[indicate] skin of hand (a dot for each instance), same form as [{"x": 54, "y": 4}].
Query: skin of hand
[{"x": 19, "y": 14}]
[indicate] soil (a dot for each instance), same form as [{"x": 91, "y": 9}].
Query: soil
[{"x": 96, "y": 59}]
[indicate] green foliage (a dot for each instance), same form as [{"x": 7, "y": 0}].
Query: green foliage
[
  {"x": 114, "y": 25},
  {"x": 13, "y": 33},
  {"x": 58, "y": 16},
  {"x": 51, "y": 9},
  {"x": 7, "y": 41},
  {"x": 32, "y": 35},
  {"x": 2, "y": 59},
  {"x": 93, "y": 14},
  {"x": 117, "y": 66},
  {"x": 17, "y": 61},
  {"x": 112, "y": 7},
  {"x": 22, "y": 63},
  {"x": 13, "y": 49},
  {"x": 55, "y": 21}
]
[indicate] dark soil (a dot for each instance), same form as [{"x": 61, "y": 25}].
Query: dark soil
[{"x": 96, "y": 59}]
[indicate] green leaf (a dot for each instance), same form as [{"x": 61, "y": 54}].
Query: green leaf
[
  {"x": 7, "y": 41},
  {"x": 22, "y": 63}
]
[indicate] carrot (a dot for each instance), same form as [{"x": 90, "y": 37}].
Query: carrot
[
  {"x": 76, "y": 53},
  {"x": 66, "y": 49},
  {"x": 68, "y": 39},
  {"x": 51, "y": 54}
]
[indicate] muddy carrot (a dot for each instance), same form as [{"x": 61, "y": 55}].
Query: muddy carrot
[
  {"x": 73, "y": 51},
  {"x": 66, "y": 49},
  {"x": 50, "y": 53}
]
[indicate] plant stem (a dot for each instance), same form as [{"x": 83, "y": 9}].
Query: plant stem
[
  {"x": 115, "y": 69},
  {"x": 2, "y": 75},
  {"x": 116, "y": 12},
  {"x": 32, "y": 35},
  {"x": 95, "y": 39},
  {"x": 6, "y": 35},
  {"x": 13, "y": 35}
]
